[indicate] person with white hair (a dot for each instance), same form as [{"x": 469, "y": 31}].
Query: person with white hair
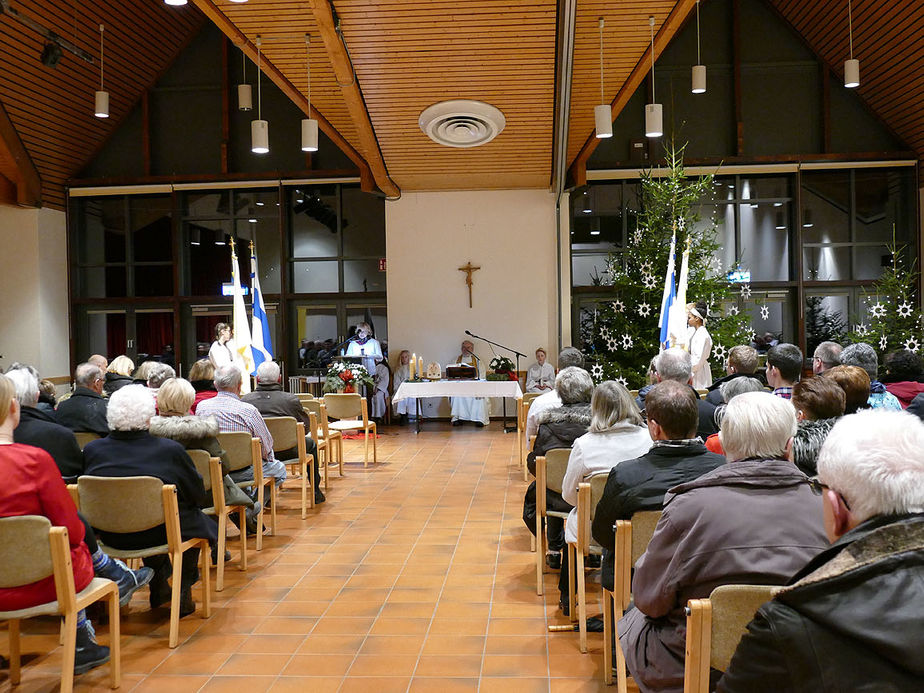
[
  {"x": 158, "y": 375},
  {"x": 754, "y": 520},
  {"x": 853, "y": 618},
  {"x": 676, "y": 364},
  {"x": 85, "y": 409},
  {"x": 131, "y": 450},
  {"x": 567, "y": 357}
]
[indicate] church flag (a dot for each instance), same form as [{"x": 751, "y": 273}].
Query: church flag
[
  {"x": 669, "y": 292},
  {"x": 242, "y": 349},
  {"x": 262, "y": 344},
  {"x": 677, "y": 316}
]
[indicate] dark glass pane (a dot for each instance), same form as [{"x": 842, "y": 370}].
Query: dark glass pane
[
  {"x": 313, "y": 213},
  {"x": 825, "y": 319},
  {"x": 870, "y": 261},
  {"x": 152, "y": 228},
  {"x": 589, "y": 269},
  {"x": 826, "y": 263},
  {"x": 102, "y": 282},
  {"x": 826, "y": 206},
  {"x": 765, "y": 232},
  {"x": 722, "y": 216},
  {"x": 105, "y": 334},
  {"x": 209, "y": 256},
  {"x": 355, "y": 315},
  {"x": 264, "y": 231},
  {"x": 315, "y": 277},
  {"x": 770, "y": 313},
  {"x": 261, "y": 202},
  {"x": 317, "y": 334},
  {"x": 884, "y": 204},
  {"x": 103, "y": 236},
  {"x": 363, "y": 275},
  {"x": 153, "y": 280},
  {"x": 208, "y": 204},
  {"x": 765, "y": 187},
  {"x": 363, "y": 224}
]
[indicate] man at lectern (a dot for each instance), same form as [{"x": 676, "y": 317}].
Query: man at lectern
[{"x": 476, "y": 409}]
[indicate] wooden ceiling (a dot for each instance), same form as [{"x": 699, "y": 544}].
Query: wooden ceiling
[{"x": 407, "y": 55}]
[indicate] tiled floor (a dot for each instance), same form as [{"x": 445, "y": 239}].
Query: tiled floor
[{"x": 416, "y": 575}]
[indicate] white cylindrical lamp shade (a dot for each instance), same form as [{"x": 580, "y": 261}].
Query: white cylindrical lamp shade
[
  {"x": 603, "y": 120},
  {"x": 653, "y": 122},
  {"x": 175, "y": 3},
  {"x": 244, "y": 97},
  {"x": 699, "y": 79},
  {"x": 852, "y": 73},
  {"x": 259, "y": 137},
  {"x": 102, "y": 104},
  {"x": 309, "y": 135}
]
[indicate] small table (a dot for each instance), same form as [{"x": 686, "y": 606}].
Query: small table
[{"x": 456, "y": 388}]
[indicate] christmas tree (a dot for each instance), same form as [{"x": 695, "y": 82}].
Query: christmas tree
[
  {"x": 623, "y": 334},
  {"x": 821, "y": 324}
]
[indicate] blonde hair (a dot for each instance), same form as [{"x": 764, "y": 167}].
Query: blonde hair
[
  {"x": 121, "y": 365},
  {"x": 611, "y": 404},
  {"x": 175, "y": 397},
  {"x": 203, "y": 369},
  {"x": 7, "y": 395}
]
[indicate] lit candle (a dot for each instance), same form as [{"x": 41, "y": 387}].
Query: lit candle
[
  {"x": 413, "y": 365},
  {"x": 420, "y": 365}
]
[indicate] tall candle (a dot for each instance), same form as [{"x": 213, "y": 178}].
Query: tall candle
[
  {"x": 420, "y": 365},
  {"x": 413, "y": 365}
]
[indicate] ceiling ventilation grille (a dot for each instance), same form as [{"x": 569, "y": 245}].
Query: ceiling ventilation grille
[{"x": 462, "y": 123}]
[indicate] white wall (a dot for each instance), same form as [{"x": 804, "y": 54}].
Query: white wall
[
  {"x": 510, "y": 235},
  {"x": 33, "y": 284}
]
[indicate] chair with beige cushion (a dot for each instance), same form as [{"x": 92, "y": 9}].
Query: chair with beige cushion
[
  {"x": 136, "y": 503},
  {"x": 288, "y": 434},
  {"x": 550, "y": 473},
  {"x": 244, "y": 451},
  {"x": 210, "y": 470},
  {"x": 328, "y": 442},
  {"x": 31, "y": 550},
  {"x": 352, "y": 412},
  {"x": 589, "y": 494},
  {"x": 84, "y": 437},
  {"x": 714, "y": 628},
  {"x": 523, "y": 405}
]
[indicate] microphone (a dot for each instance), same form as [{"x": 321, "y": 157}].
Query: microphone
[{"x": 469, "y": 333}]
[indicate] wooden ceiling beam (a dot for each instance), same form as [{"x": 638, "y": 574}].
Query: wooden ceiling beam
[
  {"x": 239, "y": 39},
  {"x": 352, "y": 95},
  {"x": 17, "y": 167},
  {"x": 675, "y": 20}
]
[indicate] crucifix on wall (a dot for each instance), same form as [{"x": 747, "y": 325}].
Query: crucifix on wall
[{"x": 468, "y": 269}]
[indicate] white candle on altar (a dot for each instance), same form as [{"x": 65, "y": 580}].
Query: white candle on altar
[
  {"x": 412, "y": 366},
  {"x": 420, "y": 365}
]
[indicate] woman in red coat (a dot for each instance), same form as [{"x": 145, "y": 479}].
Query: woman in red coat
[{"x": 32, "y": 485}]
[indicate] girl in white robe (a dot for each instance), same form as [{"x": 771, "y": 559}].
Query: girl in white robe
[
  {"x": 700, "y": 345},
  {"x": 541, "y": 375}
]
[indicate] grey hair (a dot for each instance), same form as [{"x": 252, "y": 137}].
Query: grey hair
[
  {"x": 757, "y": 425},
  {"x": 674, "y": 364},
  {"x": 610, "y": 405},
  {"x": 731, "y": 389},
  {"x": 87, "y": 374},
  {"x": 130, "y": 409},
  {"x": 228, "y": 378},
  {"x": 17, "y": 366},
  {"x": 863, "y": 355},
  {"x": 875, "y": 459},
  {"x": 569, "y": 356},
  {"x": 829, "y": 353},
  {"x": 574, "y": 384},
  {"x": 159, "y": 373},
  {"x": 26, "y": 386},
  {"x": 268, "y": 372}
]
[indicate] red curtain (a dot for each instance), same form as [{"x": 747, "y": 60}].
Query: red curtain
[
  {"x": 116, "y": 340},
  {"x": 155, "y": 330}
]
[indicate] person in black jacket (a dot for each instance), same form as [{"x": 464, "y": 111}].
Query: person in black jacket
[
  {"x": 640, "y": 484},
  {"x": 742, "y": 362},
  {"x": 85, "y": 409},
  {"x": 37, "y": 428},
  {"x": 676, "y": 364},
  {"x": 853, "y": 618},
  {"x": 130, "y": 450}
]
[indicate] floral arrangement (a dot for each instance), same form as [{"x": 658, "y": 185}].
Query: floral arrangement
[
  {"x": 503, "y": 369},
  {"x": 346, "y": 376}
]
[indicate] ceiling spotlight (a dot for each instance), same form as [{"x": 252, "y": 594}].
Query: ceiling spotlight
[
  {"x": 699, "y": 70},
  {"x": 309, "y": 124},
  {"x": 851, "y": 66},
  {"x": 807, "y": 222},
  {"x": 603, "y": 113},
  {"x": 51, "y": 54},
  {"x": 654, "y": 126},
  {"x": 780, "y": 222},
  {"x": 259, "y": 128},
  {"x": 175, "y": 3},
  {"x": 244, "y": 92},
  {"x": 101, "y": 99}
]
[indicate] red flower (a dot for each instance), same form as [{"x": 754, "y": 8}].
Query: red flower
[{"x": 346, "y": 376}]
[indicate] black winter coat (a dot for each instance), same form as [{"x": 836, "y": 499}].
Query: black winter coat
[
  {"x": 38, "y": 429},
  {"x": 559, "y": 428},
  {"x": 852, "y": 619},
  {"x": 84, "y": 410}
]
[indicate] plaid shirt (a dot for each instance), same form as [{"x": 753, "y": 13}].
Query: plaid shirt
[
  {"x": 232, "y": 414},
  {"x": 784, "y": 392}
]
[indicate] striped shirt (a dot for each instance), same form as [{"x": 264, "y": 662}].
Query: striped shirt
[
  {"x": 784, "y": 392},
  {"x": 232, "y": 414}
]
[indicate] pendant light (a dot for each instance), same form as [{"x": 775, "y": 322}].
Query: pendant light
[
  {"x": 102, "y": 97},
  {"x": 259, "y": 128},
  {"x": 603, "y": 114},
  {"x": 309, "y": 124},
  {"x": 699, "y": 70},
  {"x": 851, "y": 66},
  {"x": 653, "y": 121},
  {"x": 175, "y": 3},
  {"x": 244, "y": 92}
]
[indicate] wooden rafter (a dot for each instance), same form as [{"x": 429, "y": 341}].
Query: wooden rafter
[{"x": 17, "y": 167}]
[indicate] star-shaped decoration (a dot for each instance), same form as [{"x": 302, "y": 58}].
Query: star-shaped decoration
[
  {"x": 765, "y": 312},
  {"x": 618, "y": 306},
  {"x": 862, "y": 329},
  {"x": 649, "y": 281},
  {"x": 622, "y": 381},
  {"x": 627, "y": 341},
  {"x": 883, "y": 343},
  {"x": 681, "y": 223},
  {"x": 720, "y": 352},
  {"x": 905, "y": 309},
  {"x": 877, "y": 310},
  {"x": 733, "y": 310},
  {"x": 912, "y": 345},
  {"x": 644, "y": 310},
  {"x": 596, "y": 371},
  {"x": 745, "y": 291}
]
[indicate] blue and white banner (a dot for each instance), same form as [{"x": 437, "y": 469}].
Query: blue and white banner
[
  {"x": 261, "y": 342},
  {"x": 667, "y": 299}
]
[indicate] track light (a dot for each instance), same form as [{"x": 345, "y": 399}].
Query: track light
[
  {"x": 102, "y": 97},
  {"x": 244, "y": 92},
  {"x": 780, "y": 222},
  {"x": 259, "y": 128},
  {"x": 699, "y": 70},
  {"x": 309, "y": 124},
  {"x": 851, "y": 66},
  {"x": 653, "y": 121},
  {"x": 603, "y": 113}
]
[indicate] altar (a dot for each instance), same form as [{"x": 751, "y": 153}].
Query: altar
[{"x": 456, "y": 388}]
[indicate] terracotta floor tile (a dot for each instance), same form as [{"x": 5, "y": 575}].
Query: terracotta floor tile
[
  {"x": 400, "y": 626},
  {"x": 511, "y": 685},
  {"x": 272, "y": 644},
  {"x": 379, "y": 684},
  {"x": 383, "y": 665},
  {"x": 306, "y": 684},
  {"x": 235, "y": 684},
  {"x": 347, "y": 606},
  {"x": 423, "y": 685},
  {"x": 344, "y": 625},
  {"x": 458, "y": 626},
  {"x": 583, "y": 666},
  {"x": 284, "y": 626},
  {"x": 516, "y": 665},
  {"x": 174, "y": 684},
  {"x": 454, "y": 644},
  {"x": 192, "y": 663},
  {"x": 445, "y": 666},
  {"x": 212, "y": 643},
  {"x": 407, "y": 610},
  {"x": 392, "y": 644},
  {"x": 318, "y": 665},
  {"x": 254, "y": 664},
  {"x": 515, "y": 644}
]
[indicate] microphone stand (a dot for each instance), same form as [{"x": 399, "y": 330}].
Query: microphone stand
[{"x": 507, "y": 429}]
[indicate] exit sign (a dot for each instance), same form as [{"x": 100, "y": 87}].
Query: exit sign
[{"x": 381, "y": 264}]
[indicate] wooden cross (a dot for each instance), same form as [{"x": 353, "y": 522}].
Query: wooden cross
[{"x": 468, "y": 269}]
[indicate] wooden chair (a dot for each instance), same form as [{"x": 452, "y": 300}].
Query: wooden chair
[
  {"x": 589, "y": 494},
  {"x": 245, "y": 451},
  {"x": 325, "y": 439},
  {"x": 210, "y": 470},
  {"x": 632, "y": 537},
  {"x": 550, "y": 472},
  {"x": 84, "y": 437},
  {"x": 523, "y": 405},
  {"x": 31, "y": 550},
  {"x": 345, "y": 408},
  {"x": 288, "y": 434},
  {"x": 714, "y": 628},
  {"x": 304, "y": 397},
  {"x": 134, "y": 504}
]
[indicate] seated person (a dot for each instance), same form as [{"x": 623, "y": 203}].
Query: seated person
[
  {"x": 854, "y": 381},
  {"x": 475, "y": 409},
  {"x": 567, "y": 357},
  {"x": 85, "y": 409},
  {"x": 819, "y": 403},
  {"x": 616, "y": 433},
  {"x": 676, "y": 456},
  {"x": 676, "y": 364},
  {"x": 381, "y": 378},
  {"x": 904, "y": 376},
  {"x": 827, "y": 356},
  {"x": 130, "y": 450},
  {"x": 784, "y": 368},
  {"x": 864, "y": 356},
  {"x": 119, "y": 374},
  {"x": 558, "y": 428},
  {"x": 741, "y": 362},
  {"x": 729, "y": 390},
  {"x": 201, "y": 377},
  {"x": 541, "y": 375},
  {"x": 652, "y": 377},
  {"x": 851, "y": 619},
  {"x": 158, "y": 375},
  {"x": 406, "y": 407},
  {"x": 754, "y": 520}
]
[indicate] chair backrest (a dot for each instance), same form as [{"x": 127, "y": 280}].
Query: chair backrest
[
  {"x": 556, "y": 464},
  {"x": 25, "y": 554},
  {"x": 589, "y": 494},
  {"x": 84, "y": 437},
  {"x": 643, "y": 528},
  {"x": 121, "y": 504},
  {"x": 305, "y": 397},
  {"x": 632, "y": 539},
  {"x": 239, "y": 448},
  {"x": 312, "y": 406},
  {"x": 209, "y": 469},
  {"x": 201, "y": 459},
  {"x": 343, "y": 406},
  {"x": 733, "y": 607},
  {"x": 283, "y": 430}
]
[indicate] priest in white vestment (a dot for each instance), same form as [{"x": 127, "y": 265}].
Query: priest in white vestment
[{"x": 476, "y": 409}]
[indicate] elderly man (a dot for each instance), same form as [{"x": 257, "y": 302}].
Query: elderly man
[
  {"x": 864, "y": 356},
  {"x": 676, "y": 364},
  {"x": 567, "y": 357},
  {"x": 741, "y": 362},
  {"x": 827, "y": 356},
  {"x": 852, "y": 618},
  {"x": 474, "y": 409},
  {"x": 640, "y": 484},
  {"x": 233, "y": 414},
  {"x": 754, "y": 520},
  {"x": 784, "y": 368},
  {"x": 85, "y": 409},
  {"x": 99, "y": 361},
  {"x": 271, "y": 400}
]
